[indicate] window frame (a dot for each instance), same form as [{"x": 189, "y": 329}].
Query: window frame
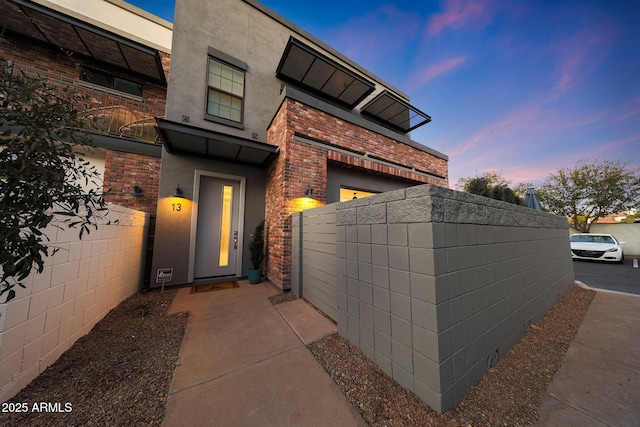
[
  {"x": 363, "y": 192},
  {"x": 229, "y": 61},
  {"x": 111, "y": 77}
]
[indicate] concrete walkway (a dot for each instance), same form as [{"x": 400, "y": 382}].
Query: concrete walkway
[
  {"x": 599, "y": 381},
  {"x": 243, "y": 362}
]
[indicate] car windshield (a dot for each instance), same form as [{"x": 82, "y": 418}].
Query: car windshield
[{"x": 588, "y": 238}]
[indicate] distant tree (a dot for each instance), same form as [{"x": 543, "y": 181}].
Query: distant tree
[
  {"x": 506, "y": 195},
  {"x": 41, "y": 172},
  {"x": 591, "y": 190},
  {"x": 490, "y": 184},
  {"x": 479, "y": 186},
  {"x": 492, "y": 178},
  {"x": 632, "y": 218}
]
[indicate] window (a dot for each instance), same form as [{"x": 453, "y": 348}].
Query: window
[
  {"x": 225, "y": 91},
  {"x": 352, "y": 193},
  {"x": 107, "y": 80}
]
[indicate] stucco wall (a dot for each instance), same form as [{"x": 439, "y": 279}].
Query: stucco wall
[
  {"x": 173, "y": 228},
  {"x": 436, "y": 285},
  {"x": 80, "y": 284}
]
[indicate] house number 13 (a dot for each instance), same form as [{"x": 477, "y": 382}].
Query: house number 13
[{"x": 176, "y": 207}]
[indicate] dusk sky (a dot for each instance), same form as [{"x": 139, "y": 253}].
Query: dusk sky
[{"x": 518, "y": 87}]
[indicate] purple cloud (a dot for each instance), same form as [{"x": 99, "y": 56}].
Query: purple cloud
[
  {"x": 458, "y": 13},
  {"x": 435, "y": 70}
]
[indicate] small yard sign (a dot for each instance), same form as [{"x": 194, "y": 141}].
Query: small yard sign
[{"x": 164, "y": 275}]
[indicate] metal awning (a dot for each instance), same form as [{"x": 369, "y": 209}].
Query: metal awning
[
  {"x": 303, "y": 66},
  {"x": 184, "y": 139},
  {"x": 391, "y": 111},
  {"x": 64, "y": 32}
]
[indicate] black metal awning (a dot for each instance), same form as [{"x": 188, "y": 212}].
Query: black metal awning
[
  {"x": 64, "y": 32},
  {"x": 308, "y": 68},
  {"x": 185, "y": 139},
  {"x": 390, "y": 111}
]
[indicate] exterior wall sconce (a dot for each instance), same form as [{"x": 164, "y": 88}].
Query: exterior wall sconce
[
  {"x": 308, "y": 192},
  {"x": 179, "y": 193},
  {"x": 136, "y": 191}
]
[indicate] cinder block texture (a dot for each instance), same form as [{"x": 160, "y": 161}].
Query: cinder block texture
[
  {"x": 72, "y": 294},
  {"x": 452, "y": 280}
]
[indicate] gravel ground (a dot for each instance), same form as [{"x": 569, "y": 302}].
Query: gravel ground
[
  {"x": 510, "y": 394},
  {"x": 120, "y": 373},
  {"x": 117, "y": 375}
]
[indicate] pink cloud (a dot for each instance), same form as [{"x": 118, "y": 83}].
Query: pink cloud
[
  {"x": 629, "y": 110},
  {"x": 436, "y": 70},
  {"x": 581, "y": 53},
  {"x": 513, "y": 123},
  {"x": 607, "y": 148},
  {"x": 456, "y": 14},
  {"x": 569, "y": 68}
]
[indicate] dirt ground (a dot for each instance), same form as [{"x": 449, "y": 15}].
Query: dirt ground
[{"x": 120, "y": 373}]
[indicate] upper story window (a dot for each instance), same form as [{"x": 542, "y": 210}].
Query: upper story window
[
  {"x": 225, "y": 89},
  {"x": 225, "y": 97},
  {"x": 110, "y": 81}
]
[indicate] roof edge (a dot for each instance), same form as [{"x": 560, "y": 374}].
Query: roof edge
[
  {"x": 293, "y": 27},
  {"x": 318, "y": 104}
]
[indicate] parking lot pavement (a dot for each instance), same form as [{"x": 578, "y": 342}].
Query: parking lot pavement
[{"x": 609, "y": 276}]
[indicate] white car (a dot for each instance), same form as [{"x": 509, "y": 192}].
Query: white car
[{"x": 600, "y": 247}]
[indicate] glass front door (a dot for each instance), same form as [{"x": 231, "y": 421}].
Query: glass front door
[{"x": 217, "y": 237}]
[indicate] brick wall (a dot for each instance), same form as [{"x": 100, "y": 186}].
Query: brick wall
[
  {"x": 35, "y": 55},
  {"x": 324, "y": 127},
  {"x": 300, "y": 165},
  {"x": 123, "y": 170}
]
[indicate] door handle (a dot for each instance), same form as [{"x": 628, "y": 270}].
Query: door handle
[{"x": 235, "y": 240}]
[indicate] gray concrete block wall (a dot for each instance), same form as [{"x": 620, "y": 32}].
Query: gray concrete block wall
[
  {"x": 296, "y": 253},
  {"x": 79, "y": 285},
  {"x": 433, "y": 285},
  {"x": 436, "y": 285},
  {"x": 315, "y": 255}
]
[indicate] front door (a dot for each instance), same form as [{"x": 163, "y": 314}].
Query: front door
[{"x": 217, "y": 237}]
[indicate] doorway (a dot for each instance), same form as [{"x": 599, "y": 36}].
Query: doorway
[{"x": 217, "y": 226}]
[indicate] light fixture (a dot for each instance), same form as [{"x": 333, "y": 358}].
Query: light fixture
[
  {"x": 137, "y": 191},
  {"x": 179, "y": 193},
  {"x": 308, "y": 192}
]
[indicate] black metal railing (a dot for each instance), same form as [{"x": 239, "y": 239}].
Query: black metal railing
[{"x": 107, "y": 111}]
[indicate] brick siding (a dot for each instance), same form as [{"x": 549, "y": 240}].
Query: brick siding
[
  {"x": 42, "y": 57},
  {"x": 123, "y": 170},
  {"x": 300, "y": 165}
]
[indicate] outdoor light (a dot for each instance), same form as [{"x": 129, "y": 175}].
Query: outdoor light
[
  {"x": 179, "y": 193},
  {"x": 308, "y": 192},
  {"x": 137, "y": 191}
]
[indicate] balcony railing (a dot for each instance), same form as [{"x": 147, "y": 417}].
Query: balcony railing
[{"x": 108, "y": 112}]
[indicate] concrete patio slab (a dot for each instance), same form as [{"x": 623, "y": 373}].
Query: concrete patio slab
[
  {"x": 307, "y": 322},
  {"x": 559, "y": 414},
  {"x": 186, "y": 301},
  {"x": 220, "y": 344},
  {"x": 242, "y": 364},
  {"x": 599, "y": 381},
  {"x": 289, "y": 389}
]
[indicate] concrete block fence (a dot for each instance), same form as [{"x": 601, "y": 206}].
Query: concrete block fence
[
  {"x": 80, "y": 284},
  {"x": 436, "y": 285}
]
